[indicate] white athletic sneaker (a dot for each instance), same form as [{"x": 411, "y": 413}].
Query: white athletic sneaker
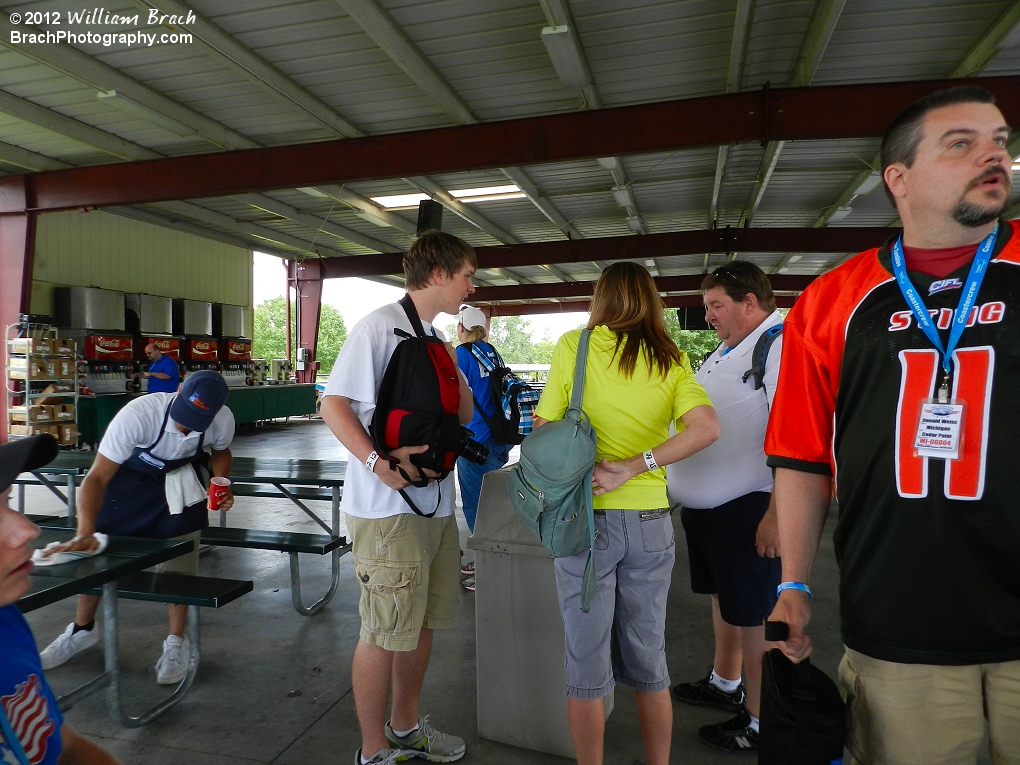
[
  {"x": 67, "y": 645},
  {"x": 173, "y": 664}
]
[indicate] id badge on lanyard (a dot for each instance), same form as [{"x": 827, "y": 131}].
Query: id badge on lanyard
[{"x": 940, "y": 421}]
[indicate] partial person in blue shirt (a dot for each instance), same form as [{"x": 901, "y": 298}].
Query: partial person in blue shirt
[
  {"x": 32, "y": 730},
  {"x": 164, "y": 375},
  {"x": 471, "y": 329}
]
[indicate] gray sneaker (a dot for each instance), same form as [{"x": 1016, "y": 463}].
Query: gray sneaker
[
  {"x": 427, "y": 742},
  {"x": 68, "y": 644},
  {"x": 385, "y": 757}
]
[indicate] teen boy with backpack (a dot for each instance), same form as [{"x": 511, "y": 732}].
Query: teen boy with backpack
[{"x": 406, "y": 564}]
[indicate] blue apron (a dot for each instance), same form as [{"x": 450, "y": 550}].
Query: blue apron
[{"x": 135, "y": 501}]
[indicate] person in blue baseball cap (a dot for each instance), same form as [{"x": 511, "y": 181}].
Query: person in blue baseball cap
[
  {"x": 150, "y": 479},
  {"x": 40, "y": 737}
]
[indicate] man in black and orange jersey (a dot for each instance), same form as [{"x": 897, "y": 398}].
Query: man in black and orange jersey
[{"x": 899, "y": 381}]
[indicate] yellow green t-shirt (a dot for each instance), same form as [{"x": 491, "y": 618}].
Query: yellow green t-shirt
[{"x": 630, "y": 414}]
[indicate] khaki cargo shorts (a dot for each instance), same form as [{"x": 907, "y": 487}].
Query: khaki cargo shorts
[
  {"x": 409, "y": 571},
  {"x": 186, "y": 564},
  {"x": 923, "y": 714}
]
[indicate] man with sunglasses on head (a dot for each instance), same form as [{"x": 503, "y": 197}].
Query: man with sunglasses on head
[
  {"x": 899, "y": 382},
  {"x": 725, "y": 493}
]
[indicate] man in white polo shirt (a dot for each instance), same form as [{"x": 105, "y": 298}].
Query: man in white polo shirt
[
  {"x": 148, "y": 480},
  {"x": 725, "y": 492}
]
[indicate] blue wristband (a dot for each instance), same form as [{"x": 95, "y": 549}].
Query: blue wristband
[{"x": 794, "y": 586}]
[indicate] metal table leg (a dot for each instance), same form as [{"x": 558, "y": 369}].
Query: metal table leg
[
  {"x": 111, "y": 654},
  {"x": 295, "y": 567},
  {"x": 110, "y": 679},
  {"x": 72, "y": 500}
]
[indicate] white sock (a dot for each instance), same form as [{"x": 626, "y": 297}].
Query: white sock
[
  {"x": 404, "y": 733},
  {"x": 365, "y": 762},
  {"x": 754, "y": 723},
  {"x": 722, "y": 683}
]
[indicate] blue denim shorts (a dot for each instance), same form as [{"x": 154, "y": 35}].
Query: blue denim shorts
[{"x": 623, "y": 637}]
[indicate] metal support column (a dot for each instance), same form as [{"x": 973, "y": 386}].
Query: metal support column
[
  {"x": 17, "y": 252},
  {"x": 305, "y": 276}
]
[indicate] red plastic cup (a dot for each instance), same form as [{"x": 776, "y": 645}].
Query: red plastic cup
[{"x": 219, "y": 488}]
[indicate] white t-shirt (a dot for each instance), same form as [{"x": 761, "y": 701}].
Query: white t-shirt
[
  {"x": 735, "y": 464},
  {"x": 138, "y": 423},
  {"x": 357, "y": 375}
]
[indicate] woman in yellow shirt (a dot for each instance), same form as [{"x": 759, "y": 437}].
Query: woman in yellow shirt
[{"x": 637, "y": 383}]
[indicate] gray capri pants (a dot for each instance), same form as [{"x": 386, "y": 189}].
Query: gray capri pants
[{"x": 623, "y": 635}]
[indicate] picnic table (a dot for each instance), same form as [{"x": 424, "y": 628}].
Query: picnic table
[{"x": 124, "y": 560}]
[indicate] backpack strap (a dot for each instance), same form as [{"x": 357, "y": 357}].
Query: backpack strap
[
  {"x": 760, "y": 355},
  {"x": 480, "y": 357},
  {"x": 412, "y": 315},
  {"x": 576, "y": 397}
]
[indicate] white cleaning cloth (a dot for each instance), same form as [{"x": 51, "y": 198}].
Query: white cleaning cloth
[
  {"x": 183, "y": 489},
  {"x": 40, "y": 558}
]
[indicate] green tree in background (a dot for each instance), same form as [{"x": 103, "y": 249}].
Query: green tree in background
[
  {"x": 332, "y": 334},
  {"x": 270, "y": 340},
  {"x": 511, "y": 336},
  {"x": 698, "y": 343}
]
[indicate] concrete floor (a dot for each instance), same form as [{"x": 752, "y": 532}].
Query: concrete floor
[{"x": 275, "y": 687}]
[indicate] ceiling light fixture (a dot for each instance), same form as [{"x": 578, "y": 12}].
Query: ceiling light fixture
[
  {"x": 400, "y": 201},
  {"x": 868, "y": 184},
  {"x": 488, "y": 194},
  {"x": 839, "y": 214},
  {"x": 568, "y": 61},
  {"x": 635, "y": 224},
  {"x": 624, "y": 196}
]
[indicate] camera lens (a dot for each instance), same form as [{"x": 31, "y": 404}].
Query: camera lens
[{"x": 474, "y": 452}]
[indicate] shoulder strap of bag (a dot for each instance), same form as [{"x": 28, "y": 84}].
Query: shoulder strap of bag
[
  {"x": 576, "y": 397},
  {"x": 12, "y": 740},
  {"x": 580, "y": 365},
  {"x": 760, "y": 355},
  {"x": 481, "y": 357},
  {"x": 412, "y": 315}
]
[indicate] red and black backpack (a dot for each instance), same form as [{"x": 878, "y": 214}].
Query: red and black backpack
[{"x": 418, "y": 403}]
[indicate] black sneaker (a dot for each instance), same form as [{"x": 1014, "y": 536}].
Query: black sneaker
[
  {"x": 734, "y": 735},
  {"x": 703, "y": 694}
]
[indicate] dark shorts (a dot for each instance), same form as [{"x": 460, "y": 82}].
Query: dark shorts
[{"x": 725, "y": 562}]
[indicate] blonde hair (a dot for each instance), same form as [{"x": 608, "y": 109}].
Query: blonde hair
[
  {"x": 627, "y": 302},
  {"x": 474, "y": 334}
]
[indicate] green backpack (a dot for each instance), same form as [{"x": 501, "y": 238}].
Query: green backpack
[{"x": 550, "y": 487}]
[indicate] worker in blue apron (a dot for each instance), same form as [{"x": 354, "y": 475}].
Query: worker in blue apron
[{"x": 150, "y": 479}]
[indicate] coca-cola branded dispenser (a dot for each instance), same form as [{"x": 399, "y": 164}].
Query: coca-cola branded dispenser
[
  {"x": 235, "y": 361},
  {"x": 199, "y": 353},
  {"x": 94, "y": 318},
  {"x": 109, "y": 361}
]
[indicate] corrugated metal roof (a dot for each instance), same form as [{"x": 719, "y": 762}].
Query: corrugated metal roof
[{"x": 491, "y": 57}]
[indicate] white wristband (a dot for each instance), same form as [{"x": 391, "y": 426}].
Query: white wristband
[
  {"x": 370, "y": 462},
  {"x": 650, "y": 460}
]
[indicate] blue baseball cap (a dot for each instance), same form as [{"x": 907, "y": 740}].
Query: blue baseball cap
[{"x": 203, "y": 395}]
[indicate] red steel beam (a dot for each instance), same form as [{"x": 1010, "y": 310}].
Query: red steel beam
[
  {"x": 832, "y": 240},
  {"x": 557, "y": 290},
  {"x": 830, "y": 112},
  {"x": 305, "y": 277}
]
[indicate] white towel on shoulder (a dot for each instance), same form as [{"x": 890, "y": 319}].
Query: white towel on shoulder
[{"x": 183, "y": 489}]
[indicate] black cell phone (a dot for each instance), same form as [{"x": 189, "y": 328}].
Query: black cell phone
[{"x": 776, "y": 631}]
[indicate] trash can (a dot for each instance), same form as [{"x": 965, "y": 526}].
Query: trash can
[{"x": 518, "y": 630}]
